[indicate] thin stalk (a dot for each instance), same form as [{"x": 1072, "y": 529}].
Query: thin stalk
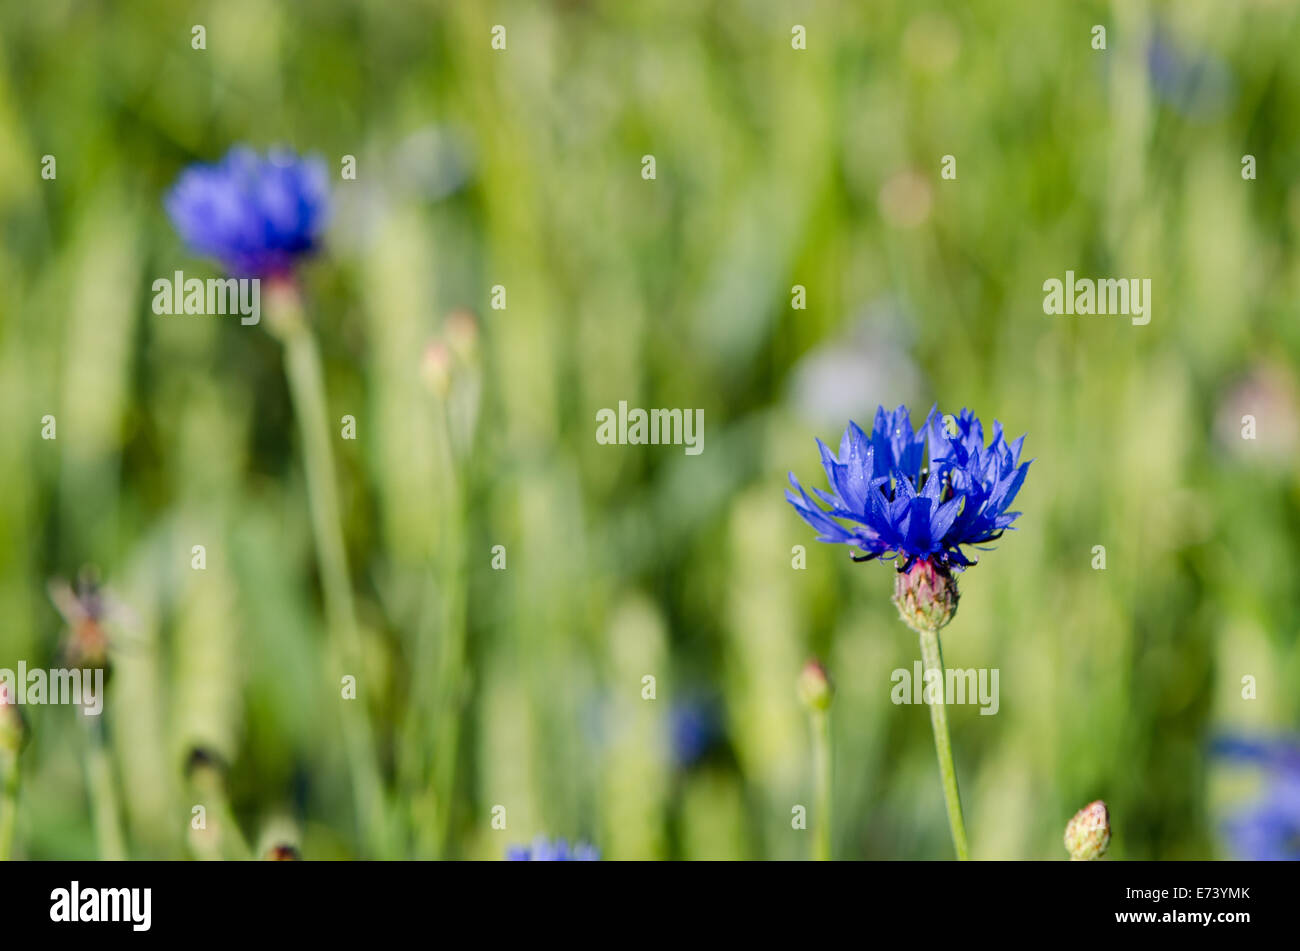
[
  {"x": 103, "y": 792},
  {"x": 451, "y": 668},
  {"x": 307, "y": 387},
  {"x": 932, "y": 659},
  {"x": 9, "y": 806},
  {"x": 821, "y": 747},
  {"x": 431, "y": 729}
]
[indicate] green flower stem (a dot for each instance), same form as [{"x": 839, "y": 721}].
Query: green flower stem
[
  {"x": 821, "y": 746},
  {"x": 451, "y": 668},
  {"x": 9, "y": 806},
  {"x": 103, "y": 792},
  {"x": 932, "y": 659},
  {"x": 306, "y": 384}
]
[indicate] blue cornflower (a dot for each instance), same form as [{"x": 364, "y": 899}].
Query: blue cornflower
[
  {"x": 899, "y": 506},
  {"x": 543, "y": 850},
  {"x": 256, "y": 215},
  {"x": 1196, "y": 84},
  {"x": 1267, "y": 830},
  {"x": 694, "y": 730}
]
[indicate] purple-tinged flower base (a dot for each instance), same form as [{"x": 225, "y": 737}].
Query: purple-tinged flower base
[
  {"x": 256, "y": 215},
  {"x": 887, "y": 501},
  {"x": 926, "y": 595}
]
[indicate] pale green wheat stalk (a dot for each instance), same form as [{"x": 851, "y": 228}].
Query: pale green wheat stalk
[
  {"x": 9, "y": 805},
  {"x": 103, "y": 791},
  {"x": 306, "y": 384}
]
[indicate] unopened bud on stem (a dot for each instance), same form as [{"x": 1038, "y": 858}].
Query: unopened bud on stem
[
  {"x": 435, "y": 368},
  {"x": 1087, "y": 835},
  {"x": 815, "y": 687},
  {"x": 461, "y": 331}
]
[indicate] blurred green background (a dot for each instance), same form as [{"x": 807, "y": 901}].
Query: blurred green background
[{"x": 522, "y": 687}]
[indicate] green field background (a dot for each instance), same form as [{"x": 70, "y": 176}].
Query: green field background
[{"x": 775, "y": 167}]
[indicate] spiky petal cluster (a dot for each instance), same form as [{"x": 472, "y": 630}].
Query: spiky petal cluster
[
  {"x": 887, "y": 501},
  {"x": 256, "y": 215}
]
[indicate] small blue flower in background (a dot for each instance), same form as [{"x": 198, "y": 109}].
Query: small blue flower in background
[
  {"x": 1196, "y": 84},
  {"x": 855, "y": 368},
  {"x": 543, "y": 850},
  {"x": 1267, "y": 830},
  {"x": 895, "y": 507},
  {"x": 694, "y": 729},
  {"x": 256, "y": 215}
]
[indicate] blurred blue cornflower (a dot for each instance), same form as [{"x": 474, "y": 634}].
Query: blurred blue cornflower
[
  {"x": 1196, "y": 84},
  {"x": 544, "y": 850},
  {"x": 899, "y": 506},
  {"x": 256, "y": 215},
  {"x": 694, "y": 729},
  {"x": 1267, "y": 830}
]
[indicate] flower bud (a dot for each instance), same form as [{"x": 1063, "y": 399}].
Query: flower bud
[
  {"x": 435, "y": 368},
  {"x": 926, "y": 595},
  {"x": 461, "y": 330},
  {"x": 815, "y": 687},
  {"x": 1088, "y": 834}
]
